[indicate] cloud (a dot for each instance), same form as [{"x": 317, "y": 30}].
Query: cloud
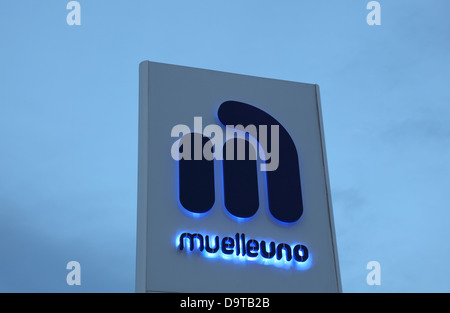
[
  {"x": 419, "y": 129},
  {"x": 35, "y": 251}
]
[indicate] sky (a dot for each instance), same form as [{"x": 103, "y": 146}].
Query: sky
[{"x": 69, "y": 126}]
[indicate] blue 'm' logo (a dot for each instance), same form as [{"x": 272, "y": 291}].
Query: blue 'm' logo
[{"x": 196, "y": 177}]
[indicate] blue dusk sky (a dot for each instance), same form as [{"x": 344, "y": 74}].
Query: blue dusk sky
[{"x": 69, "y": 126}]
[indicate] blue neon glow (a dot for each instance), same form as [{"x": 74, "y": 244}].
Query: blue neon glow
[
  {"x": 261, "y": 163},
  {"x": 240, "y": 259},
  {"x": 252, "y": 140},
  {"x": 182, "y": 208},
  {"x": 236, "y": 218}
]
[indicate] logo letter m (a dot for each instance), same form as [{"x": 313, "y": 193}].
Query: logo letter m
[{"x": 196, "y": 176}]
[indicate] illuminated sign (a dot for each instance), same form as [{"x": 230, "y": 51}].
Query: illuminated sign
[
  {"x": 196, "y": 179},
  {"x": 242, "y": 249},
  {"x": 233, "y": 192}
]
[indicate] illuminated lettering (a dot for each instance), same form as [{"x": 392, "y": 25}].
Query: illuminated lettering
[{"x": 240, "y": 247}]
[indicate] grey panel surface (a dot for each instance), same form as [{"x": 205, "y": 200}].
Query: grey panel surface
[{"x": 171, "y": 95}]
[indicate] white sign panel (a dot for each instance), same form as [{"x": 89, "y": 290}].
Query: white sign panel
[{"x": 233, "y": 192}]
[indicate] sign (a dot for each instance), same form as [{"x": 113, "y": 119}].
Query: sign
[{"x": 233, "y": 191}]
